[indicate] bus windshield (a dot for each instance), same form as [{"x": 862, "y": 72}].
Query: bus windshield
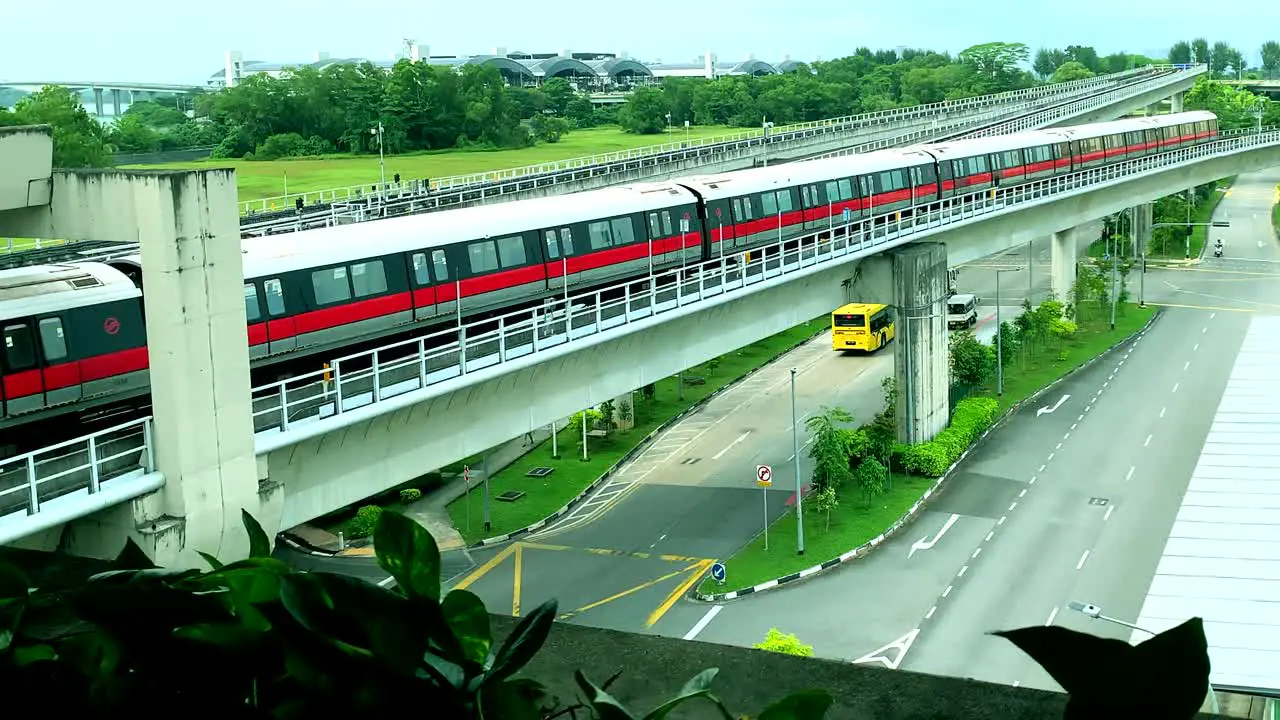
[{"x": 851, "y": 320}]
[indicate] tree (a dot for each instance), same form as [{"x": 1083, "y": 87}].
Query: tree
[
  {"x": 824, "y": 502},
  {"x": 1271, "y": 58},
  {"x": 872, "y": 478},
  {"x": 995, "y": 59},
  {"x": 830, "y": 447},
  {"x": 130, "y": 135},
  {"x": 1180, "y": 53},
  {"x": 1047, "y": 60},
  {"x": 1069, "y": 71},
  {"x": 78, "y": 140},
  {"x": 1200, "y": 51},
  {"x": 972, "y": 361},
  {"x": 645, "y": 112},
  {"x": 1086, "y": 56},
  {"x": 779, "y": 642},
  {"x": 1220, "y": 58}
]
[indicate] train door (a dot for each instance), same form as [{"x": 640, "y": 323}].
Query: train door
[
  {"x": 282, "y": 331},
  {"x": 62, "y": 380},
  {"x": 719, "y": 227},
  {"x": 23, "y": 385}
]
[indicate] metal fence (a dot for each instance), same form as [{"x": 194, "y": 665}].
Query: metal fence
[
  {"x": 28, "y": 482},
  {"x": 365, "y": 378},
  {"x": 713, "y": 144}
]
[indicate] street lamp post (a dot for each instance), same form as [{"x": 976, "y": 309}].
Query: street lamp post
[
  {"x": 1115, "y": 258},
  {"x": 1095, "y": 612},
  {"x": 668, "y": 127},
  {"x": 382, "y": 164},
  {"x": 686, "y": 133},
  {"x": 795, "y": 448},
  {"x": 999, "y": 336}
]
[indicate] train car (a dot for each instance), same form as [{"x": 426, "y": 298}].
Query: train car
[
  {"x": 966, "y": 166},
  {"x": 1100, "y": 144},
  {"x": 72, "y": 333},
  {"x": 750, "y": 208},
  {"x": 324, "y": 288}
]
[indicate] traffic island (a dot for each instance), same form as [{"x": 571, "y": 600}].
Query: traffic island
[{"x": 855, "y": 526}]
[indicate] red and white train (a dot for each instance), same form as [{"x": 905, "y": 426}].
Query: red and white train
[{"x": 74, "y": 333}]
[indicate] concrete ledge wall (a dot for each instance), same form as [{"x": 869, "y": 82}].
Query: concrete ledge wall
[{"x": 26, "y": 165}]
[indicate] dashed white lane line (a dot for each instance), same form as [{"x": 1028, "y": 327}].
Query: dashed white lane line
[
  {"x": 1052, "y": 454},
  {"x": 932, "y": 610},
  {"x": 1080, "y": 417},
  {"x": 1110, "y": 509},
  {"x": 1162, "y": 411},
  {"x": 1016, "y": 683},
  {"x": 1033, "y": 482},
  {"x": 1147, "y": 441},
  {"x": 1002, "y": 519},
  {"x": 947, "y": 591},
  {"x": 1176, "y": 386},
  {"x": 1129, "y": 475},
  {"x": 1083, "y": 557},
  {"x": 1213, "y": 315},
  {"x": 1052, "y": 614},
  {"x": 964, "y": 569},
  {"x": 976, "y": 552},
  {"x": 1012, "y": 505},
  {"x": 990, "y": 535},
  {"x": 729, "y": 447},
  {"x": 1205, "y": 330},
  {"x": 1073, "y": 426},
  {"x": 1042, "y": 467},
  {"x": 1186, "y": 365},
  {"x": 1197, "y": 347},
  {"x": 702, "y": 624}
]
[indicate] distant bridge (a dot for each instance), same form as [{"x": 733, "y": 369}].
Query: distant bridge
[{"x": 98, "y": 85}]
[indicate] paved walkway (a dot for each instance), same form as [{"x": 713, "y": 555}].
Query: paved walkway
[{"x": 430, "y": 510}]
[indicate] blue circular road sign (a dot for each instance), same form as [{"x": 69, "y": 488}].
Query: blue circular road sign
[{"x": 717, "y": 572}]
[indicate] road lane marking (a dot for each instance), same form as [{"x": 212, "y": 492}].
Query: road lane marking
[
  {"x": 990, "y": 535},
  {"x": 1162, "y": 411},
  {"x": 1213, "y": 315},
  {"x": 1033, "y": 482},
  {"x": 1002, "y": 519},
  {"x": 1175, "y": 386},
  {"x": 1052, "y": 614},
  {"x": 679, "y": 592},
  {"x": 925, "y": 543},
  {"x": 1107, "y": 517},
  {"x": 1205, "y": 330},
  {"x": 729, "y": 447},
  {"x": 976, "y": 553},
  {"x": 1080, "y": 417},
  {"x": 702, "y": 624},
  {"x": 1083, "y": 557},
  {"x": 805, "y": 445},
  {"x": 902, "y": 645},
  {"x": 1073, "y": 427},
  {"x": 1012, "y": 505},
  {"x": 1129, "y": 474},
  {"x": 384, "y": 582},
  {"x": 1052, "y": 454},
  {"x": 1197, "y": 347},
  {"x": 932, "y": 610},
  {"x": 963, "y": 569},
  {"x": 947, "y": 591},
  {"x": 516, "y": 574},
  {"x": 1042, "y": 467},
  {"x": 1186, "y": 365},
  {"x": 1023, "y": 493},
  {"x": 486, "y": 568},
  {"x": 628, "y": 591},
  {"x": 1147, "y": 441}
]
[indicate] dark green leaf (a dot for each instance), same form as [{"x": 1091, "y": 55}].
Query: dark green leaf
[
  {"x": 13, "y": 582},
  {"x": 699, "y": 686},
  {"x": 804, "y": 705},
  {"x": 444, "y": 672},
  {"x": 214, "y": 563},
  {"x": 230, "y": 636},
  {"x": 524, "y": 642},
  {"x": 409, "y": 554},
  {"x": 306, "y": 601},
  {"x": 259, "y": 543},
  {"x": 11, "y": 611},
  {"x": 29, "y": 654},
  {"x": 132, "y": 558},
  {"x": 604, "y": 705},
  {"x": 522, "y": 699},
  {"x": 469, "y": 622}
]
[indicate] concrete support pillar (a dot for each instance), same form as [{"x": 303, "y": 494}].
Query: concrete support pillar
[
  {"x": 1141, "y": 234},
  {"x": 97, "y": 102},
  {"x": 1062, "y": 263},
  {"x": 188, "y": 227},
  {"x": 115, "y": 102},
  {"x": 921, "y": 359},
  {"x": 1177, "y": 102}
]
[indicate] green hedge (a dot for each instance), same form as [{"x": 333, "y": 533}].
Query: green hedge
[{"x": 971, "y": 418}]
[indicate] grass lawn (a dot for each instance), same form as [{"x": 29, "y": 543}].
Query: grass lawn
[
  {"x": 543, "y": 496},
  {"x": 854, "y": 522},
  {"x": 263, "y": 179},
  {"x": 19, "y": 244}
]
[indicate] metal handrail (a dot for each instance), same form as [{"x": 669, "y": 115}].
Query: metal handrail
[
  {"x": 445, "y": 355},
  {"x": 374, "y": 208},
  {"x": 778, "y": 135},
  {"x": 30, "y": 480}
]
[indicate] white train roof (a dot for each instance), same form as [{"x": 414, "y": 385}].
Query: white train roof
[
  {"x": 39, "y": 289},
  {"x": 1077, "y": 132},
  {"x": 273, "y": 254},
  {"x": 792, "y": 174},
  {"x": 994, "y": 144}
]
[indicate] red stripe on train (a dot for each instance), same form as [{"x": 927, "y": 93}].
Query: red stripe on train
[{"x": 78, "y": 372}]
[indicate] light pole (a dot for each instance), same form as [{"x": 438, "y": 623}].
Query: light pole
[
  {"x": 382, "y": 164},
  {"x": 668, "y": 127},
  {"x": 795, "y": 448},
  {"x": 765, "y": 125},
  {"x": 1115, "y": 258},
  {"x": 686, "y": 133},
  {"x": 1095, "y": 612},
  {"x": 1000, "y": 336}
]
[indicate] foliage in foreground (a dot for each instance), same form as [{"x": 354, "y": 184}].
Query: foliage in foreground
[{"x": 256, "y": 638}]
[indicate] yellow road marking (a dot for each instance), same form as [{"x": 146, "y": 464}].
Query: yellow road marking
[
  {"x": 637, "y": 588},
  {"x": 1203, "y": 307},
  {"x": 616, "y": 553},
  {"x": 677, "y": 593},
  {"x": 515, "y": 594},
  {"x": 487, "y": 567}
]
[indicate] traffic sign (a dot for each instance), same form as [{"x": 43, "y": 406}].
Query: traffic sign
[
  {"x": 764, "y": 475},
  {"x": 717, "y": 572}
]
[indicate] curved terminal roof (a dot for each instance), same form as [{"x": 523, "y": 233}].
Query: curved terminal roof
[
  {"x": 559, "y": 65},
  {"x": 749, "y": 67},
  {"x": 617, "y": 67}
]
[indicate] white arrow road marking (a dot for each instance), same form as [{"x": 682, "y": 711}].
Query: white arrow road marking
[
  {"x": 902, "y": 645},
  {"x": 925, "y": 543},
  {"x": 1048, "y": 409}
]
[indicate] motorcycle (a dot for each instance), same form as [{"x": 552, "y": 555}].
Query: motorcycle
[{"x": 1217, "y": 252}]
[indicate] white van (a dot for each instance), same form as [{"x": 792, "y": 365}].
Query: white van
[{"x": 962, "y": 311}]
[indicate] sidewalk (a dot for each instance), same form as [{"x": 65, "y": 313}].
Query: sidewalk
[{"x": 429, "y": 510}]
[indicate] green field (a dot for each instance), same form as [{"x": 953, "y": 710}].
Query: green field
[
  {"x": 266, "y": 179},
  {"x": 8, "y": 245},
  {"x": 855, "y": 521},
  {"x": 543, "y": 496}
]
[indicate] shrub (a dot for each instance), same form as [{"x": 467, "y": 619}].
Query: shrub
[
  {"x": 780, "y": 642},
  {"x": 871, "y": 477},
  {"x": 971, "y": 418},
  {"x": 365, "y": 521},
  {"x": 408, "y": 495}
]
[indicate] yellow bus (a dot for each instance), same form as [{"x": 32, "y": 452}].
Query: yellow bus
[{"x": 861, "y": 326}]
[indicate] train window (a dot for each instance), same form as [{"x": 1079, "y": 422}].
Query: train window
[
  {"x": 1011, "y": 159},
  {"x": 331, "y": 285},
  {"x": 511, "y": 251},
  {"x": 421, "y": 275},
  {"x": 769, "y": 202},
  {"x": 598, "y": 235},
  {"x": 440, "y": 264},
  {"x": 846, "y": 189},
  {"x": 52, "y": 341},
  {"x": 483, "y": 257},
  {"x": 928, "y": 175},
  {"x": 368, "y": 278},
  {"x": 623, "y": 232},
  {"x": 833, "y": 191},
  {"x": 252, "y": 311},
  {"x": 275, "y": 296},
  {"x": 18, "y": 353},
  {"x": 805, "y": 200},
  {"x": 784, "y": 201},
  {"x": 747, "y": 212},
  {"x": 553, "y": 250},
  {"x": 737, "y": 210},
  {"x": 566, "y": 241},
  {"x": 655, "y": 229},
  {"x": 667, "y": 229}
]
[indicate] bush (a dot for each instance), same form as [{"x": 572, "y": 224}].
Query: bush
[
  {"x": 408, "y": 495},
  {"x": 780, "y": 642},
  {"x": 971, "y": 418},
  {"x": 365, "y": 521}
]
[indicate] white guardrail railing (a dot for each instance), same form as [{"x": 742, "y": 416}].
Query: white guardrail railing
[
  {"x": 361, "y": 379},
  {"x": 373, "y": 207},
  {"x": 83, "y": 465},
  {"x": 781, "y": 134}
]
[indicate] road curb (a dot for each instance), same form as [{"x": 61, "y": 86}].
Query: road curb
[
  {"x": 909, "y": 516},
  {"x": 302, "y": 546},
  {"x": 639, "y": 448}
]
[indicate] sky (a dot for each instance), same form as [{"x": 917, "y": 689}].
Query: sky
[{"x": 168, "y": 42}]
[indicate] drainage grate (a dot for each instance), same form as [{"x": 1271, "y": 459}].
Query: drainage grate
[
  {"x": 1098, "y": 501},
  {"x": 539, "y": 472},
  {"x": 691, "y": 461},
  {"x": 511, "y": 496}
]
